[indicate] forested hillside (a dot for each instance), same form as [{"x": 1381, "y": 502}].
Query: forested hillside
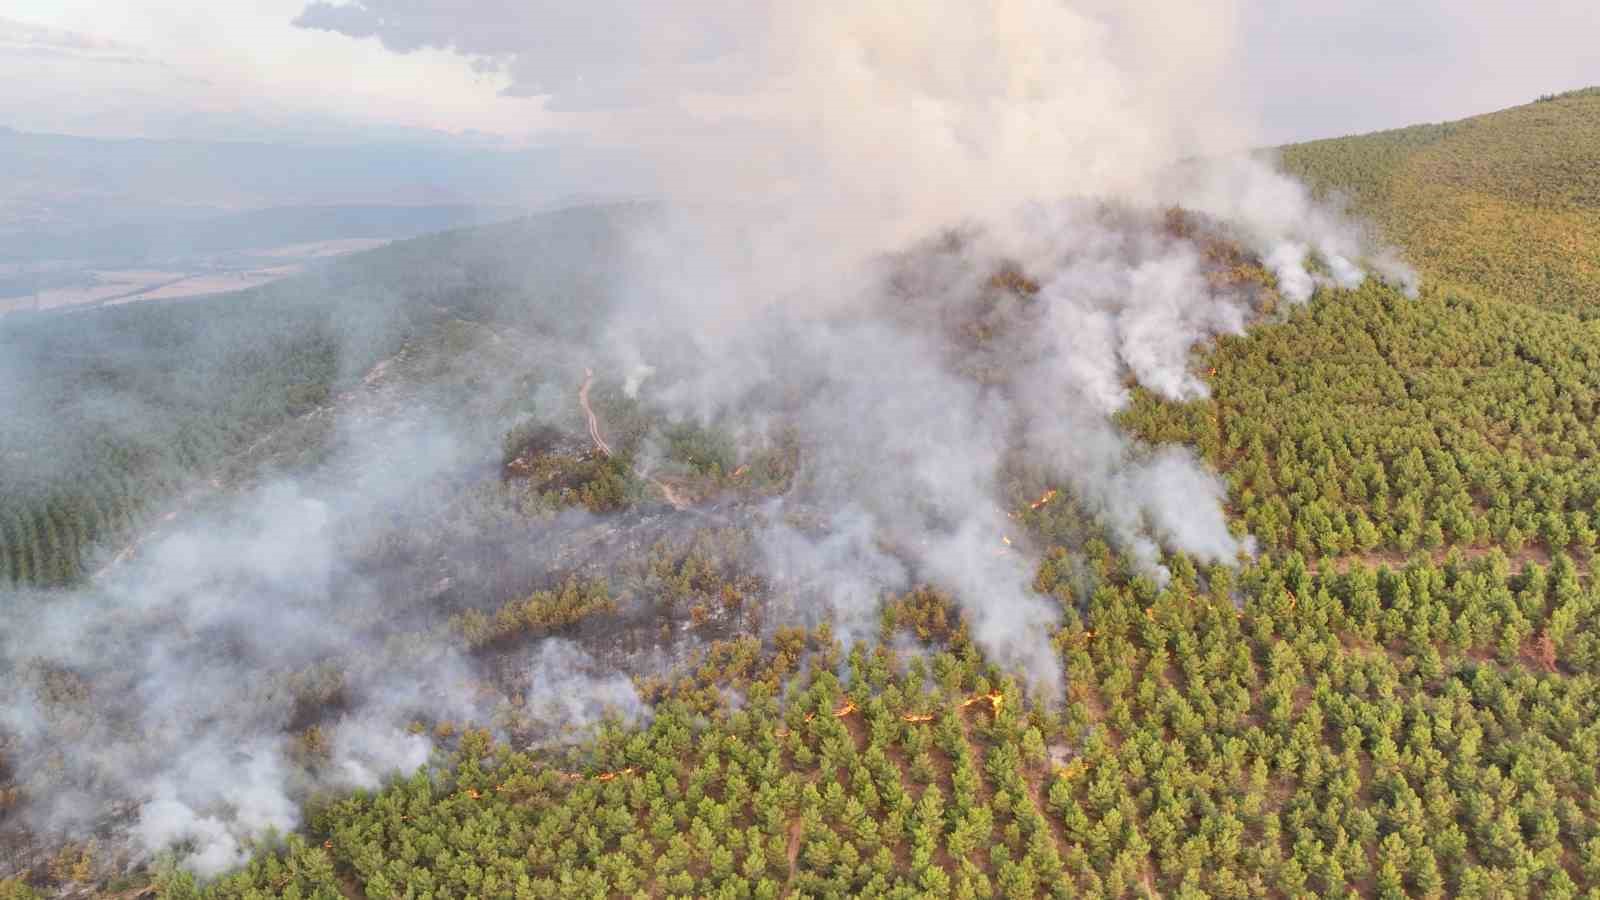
[
  {"x": 1395, "y": 693},
  {"x": 1507, "y": 202},
  {"x": 1424, "y": 732},
  {"x": 114, "y": 416},
  {"x": 1371, "y": 425}
]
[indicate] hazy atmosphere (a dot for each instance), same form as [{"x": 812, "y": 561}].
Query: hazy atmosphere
[
  {"x": 745, "y": 449},
  {"x": 531, "y": 71}
]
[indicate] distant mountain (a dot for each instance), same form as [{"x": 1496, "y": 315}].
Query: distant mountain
[
  {"x": 57, "y": 184},
  {"x": 233, "y": 233}
]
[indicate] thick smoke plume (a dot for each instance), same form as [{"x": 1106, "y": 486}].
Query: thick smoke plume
[
  {"x": 571, "y": 691},
  {"x": 169, "y": 703},
  {"x": 930, "y": 240},
  {"x": 175, "y": 681},
  {"x": 778, "y": 287}
]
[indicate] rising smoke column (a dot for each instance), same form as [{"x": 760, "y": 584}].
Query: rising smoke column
[
  {"x": 165, "y": 703},
  {"x": 796, "y": 145},
  {"x": 800, "y": 150}
]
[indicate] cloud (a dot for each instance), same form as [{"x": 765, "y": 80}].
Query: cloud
[
  {"x": 1302, "y": 71},
  {"x": 585, "y": 56},
  {"x": 28, "y": 39}
]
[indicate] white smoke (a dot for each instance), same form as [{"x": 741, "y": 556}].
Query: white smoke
[
  {"x": 368, "y": 749},
  {"x": 248, "y": 781},
  {"x": 1280, "y": 220},
  {"x": 1049, "y": 133},
  {"x": 808, "y": 156},
  {"x": 571, "y": 692},
  {"x": 180, "y": 666}
]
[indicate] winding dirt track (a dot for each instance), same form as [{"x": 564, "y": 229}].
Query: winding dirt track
[{"x": 594, "y": 425}]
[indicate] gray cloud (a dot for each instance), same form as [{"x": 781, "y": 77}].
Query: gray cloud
[
  {"x": 25, "y": 38},
  {"x": 1304, "y": 70},
  {"x": 592, "y": 55}
]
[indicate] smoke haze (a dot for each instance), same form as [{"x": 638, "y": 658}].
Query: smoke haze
[{"x": 829, "y": 259}]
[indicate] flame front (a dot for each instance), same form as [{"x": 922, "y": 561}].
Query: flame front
[{"x": 995, "y": 700}]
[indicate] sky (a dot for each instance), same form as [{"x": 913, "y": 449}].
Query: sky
[
  {"x": 233, "y": 69},
  {"x": 531, "y": 71}
]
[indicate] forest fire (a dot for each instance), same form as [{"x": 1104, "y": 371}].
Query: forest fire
[
  {"x": 569, "y": 776},
  {"x": 1048, "y": 496},
  {"x": 1071, "y": 770},
  {"x": 994, "y": 698},
  {"x": 1012, "y": 279},
  {"x": 917, "y": 719},
  {"x": 844, "y": 710}
]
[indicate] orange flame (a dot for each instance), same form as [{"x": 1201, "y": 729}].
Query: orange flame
[
  {"x": 610, "y": 776},
  {"x": 1006, "y": 539},
  {"x": 844, "y": 710},
  {"x": 1212, "y": 372},
  {"x": 994, "y": 699},
  {"x": 1048, "y": 496},
  {"x": 916, "y": 718},
  {"x": 740, "y": 471}
]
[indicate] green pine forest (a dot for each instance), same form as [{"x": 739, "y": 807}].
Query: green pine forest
[{"x": 1399, "y": 697}]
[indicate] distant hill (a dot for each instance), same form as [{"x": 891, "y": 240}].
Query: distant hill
[
  {"x": 1508, "y": 202},
  {"x": 257, "y": 229},
  {"x": 110, "y": 412},
  {"x": 61, "y": 183}
]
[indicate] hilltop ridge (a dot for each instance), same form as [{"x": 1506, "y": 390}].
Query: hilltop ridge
[{"x": 1507, "y": 202}]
